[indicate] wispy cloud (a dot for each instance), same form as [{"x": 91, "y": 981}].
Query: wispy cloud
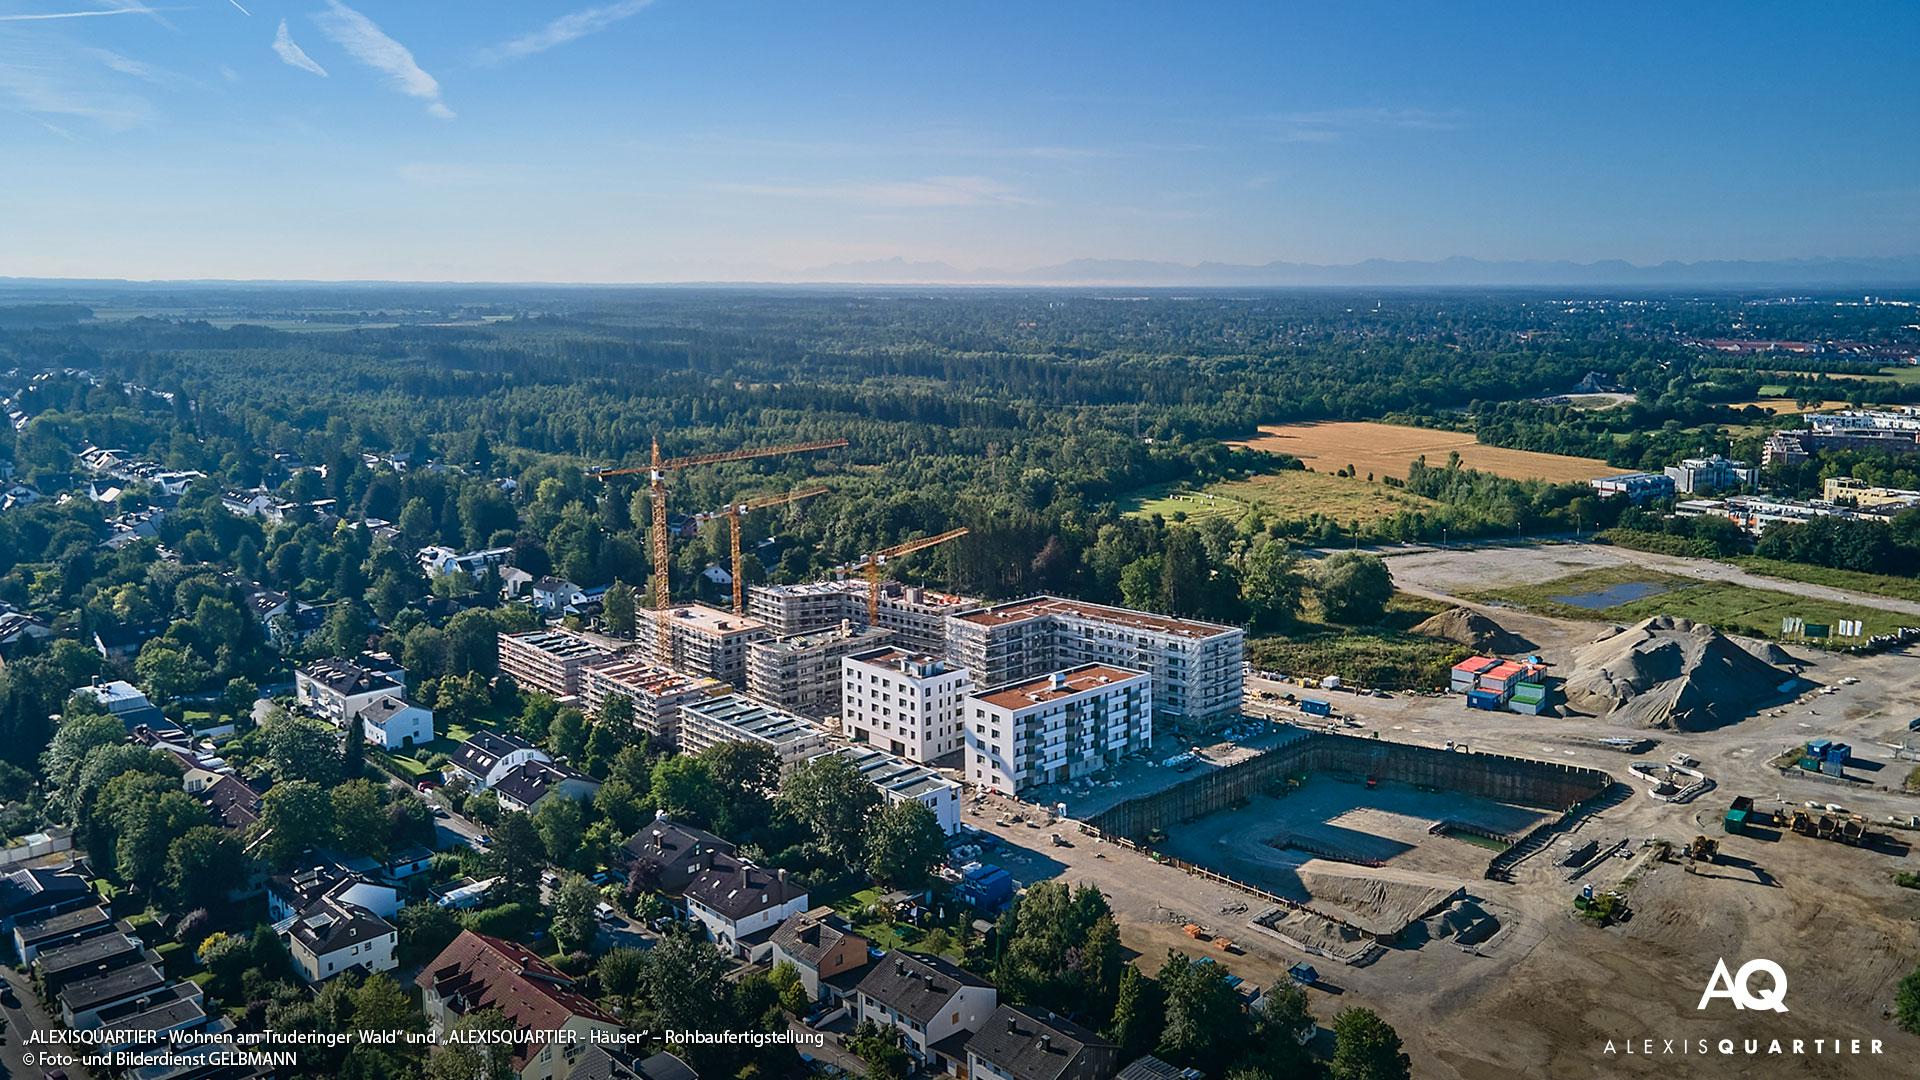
[
  {"x": 930, "y": 192},
  {"x": 566, "y": 28},
  {"x": 292, "y": 54},
  {"x": 96, "y": 13},
  {"x": 43, "y": 89},
  {"x": 1330, "y": 125},
  {"x": 366, "y": 42}
]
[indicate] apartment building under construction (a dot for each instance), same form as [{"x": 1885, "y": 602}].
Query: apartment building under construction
[
  {"x": 1196, "y": 666},
  {"x": 703, "y": 640},
  {"x": 552, "y": 660},
  {"x": 917, "y": 616},
  {"x": 802, "y": 672},
  {"x": 656, "y": 694}
]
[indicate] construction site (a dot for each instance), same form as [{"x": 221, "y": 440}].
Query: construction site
[{"x": 1572, "y": 879}]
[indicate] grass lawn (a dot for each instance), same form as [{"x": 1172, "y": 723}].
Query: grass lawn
[
  {"x": 1727, "y": 607},
  {"x": 1901, "y": 588},
  {"x": 884, "y": 933},
  {"x": 413, "y": 768},
  {"x": 1286, "y": 495}
]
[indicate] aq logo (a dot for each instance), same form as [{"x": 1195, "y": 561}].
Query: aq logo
[{"x": 1736, "y": 987}]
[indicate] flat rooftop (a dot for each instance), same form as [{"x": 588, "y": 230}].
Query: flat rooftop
[
  {"x": 1072, "y": 681},
  {"x": 1038, "y": 607},
  {"x": 918, "y": 665},
  {"x": 559, "y": 644},
  {"x": 857, "y": 637},
  {"x": 649, "y": 680},
  {"x": 709, "y": 620},
  {"x": 889, "y": 773},
  {"x": 755, "y": 721}
]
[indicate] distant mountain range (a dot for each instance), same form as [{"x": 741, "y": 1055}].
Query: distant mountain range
[{"x": 1781, "y": 273}]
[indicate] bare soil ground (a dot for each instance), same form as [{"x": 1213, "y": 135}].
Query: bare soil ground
[{"x": 1545, "y": 995}]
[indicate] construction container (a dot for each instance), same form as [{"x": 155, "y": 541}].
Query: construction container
[
  {"x": 1315, "y": 707},
  {"x": 1466, "y": 674},
  {"x": 1484, "y": 699},
  {"x": 1528, "y": 698},
  {"x": 1736, "y": 821}
]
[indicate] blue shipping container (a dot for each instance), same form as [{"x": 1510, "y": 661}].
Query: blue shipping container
[
  {"x": 1315, "y": 708},
  {"x": 1483, "y": 699}
]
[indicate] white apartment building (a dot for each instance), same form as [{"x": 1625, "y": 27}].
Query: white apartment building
[
  {"x": 656, "y": 694},
  {"x": 1197, "y": 667},
  {"x": 899, "y": 781},
  {"x": 802, "y": 673},
  {"x": 733, "y": 718},
  {"x": 1058, "y": 727},
  {"x": 917, "y": 616},
  {"x": 703, "y": 640},
  {"x": 908, "y": 704}
]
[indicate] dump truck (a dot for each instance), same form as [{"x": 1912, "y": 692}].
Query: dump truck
[{"x": 1197, "y": 932}]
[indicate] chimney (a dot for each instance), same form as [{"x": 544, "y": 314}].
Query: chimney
[
  {"x": 1057, "y": 680},
  {"x": 1012, "y": 1027},
  {"x": 899, "y": 966},
  {"x": 1046, "y": 1042},
  {"x": 781, "y": 874}
]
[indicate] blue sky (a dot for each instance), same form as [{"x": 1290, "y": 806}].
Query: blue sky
[{"x": 717, "y": 139}]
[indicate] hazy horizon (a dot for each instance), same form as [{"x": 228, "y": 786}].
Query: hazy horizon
[{"x": 658, "y": 141}]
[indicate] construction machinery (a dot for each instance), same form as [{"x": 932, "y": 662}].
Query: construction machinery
[
  {"x": 657, "y": 469},
  {"x": 735, "y": 513},
  {"x": 878, "y": 559},
  {"x": 1703, "y": 849}
]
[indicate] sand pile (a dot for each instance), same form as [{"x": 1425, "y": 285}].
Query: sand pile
[
  {"x": 1670, "y": 673},
  {"x": 1378, "y": 900},
  {"x": 1475, "y": 631},
  {"x": 1463, "y": 922}
]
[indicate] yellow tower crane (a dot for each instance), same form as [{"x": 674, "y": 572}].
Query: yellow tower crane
[
  {"x": 657, "y": 470},
  {"x": 735, "y": 512},
  {"x": 879, "y": 558}
]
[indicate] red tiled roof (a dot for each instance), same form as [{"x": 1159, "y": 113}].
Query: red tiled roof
[
  {"x": 1035, "y": 691},
  {"x": 478, "y": 972}
]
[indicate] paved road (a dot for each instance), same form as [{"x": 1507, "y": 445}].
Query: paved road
[{"x": 19, "y": 1021}]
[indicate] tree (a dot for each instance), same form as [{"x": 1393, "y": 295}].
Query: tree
[
  {"x": 1206, "y": 1027},
  {"x": 1353, "y": 587},
  {"x": 684, "y": 982},
  {"x": 683, "y": 788},
  {"x": 574, "y": 922},
  {"x": 567, "y": 734},
  {"x": 883, "y": 1048},
  {"x": 168, "y": 669},
  {"x": 562, "y": 823},
  {"x": 1061, "y": 951},
  {"x": 76, "y": 738},
  {"x": 238, "y": 696},
  {"x": 360, "y": 818},
  {"x": 904, "y": 844},
  {"x": 518, "y": 854},
  {"x": 461, "y": 1056},
  {"x": 1366, "y": 1048},
  {"x": 1272, "y": 586},
  {"x": 353, "y": 749},
  {"x": 744, "y": 776},
  {"x": 617, "y": 613},
  {"x": 380, "y": 1005},
  {"x": 426, "y": 930},
  {"x": 830, "y": 798},
  {"x": 1138, "y": 1015},
  {"x": 147, "y": 830},
  {"x": 298, "y": 748},
  {"x": 1906, "y": 1003},
  {"x": 295, "y": 816},
  {"x": 786, "y": 982}
]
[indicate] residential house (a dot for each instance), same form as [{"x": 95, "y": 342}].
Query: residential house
[
  {"x": 488, "y": 756},
  {"x": 18, "y": 629},
  {"x": 934, "y": 1003},
  {"x": 32, "y": 893},
  {"x": 670, "y": 855},
  {"x": 59, "y": 966},
  {"x": 394, "y": 723},
  {"x": 533, "y": 783},
  {"x": 124, "y": 702},
  {"x": 32, "y": 935},
  {"x": 552, "y": 594},
  {"x": 829, "y": 956},
  {"x": 541, "y": 1002},
  {"x": 742, "y": 905},
  {"x": 81, "y": 1002},
  {"x": 1020, "y": 1043}
]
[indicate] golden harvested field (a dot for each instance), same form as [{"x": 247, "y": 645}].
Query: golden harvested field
[
  {"x": 1387, "y": 450},
  {"x": 1779, "y": 405}
]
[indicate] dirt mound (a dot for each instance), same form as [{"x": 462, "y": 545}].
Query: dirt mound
[
  {"x": 1670, "y": 673},
  {"x": 1767, "y": 651},
  {"x": 1474, "y": 630},
  {"x": 1378, "y": 900},
  {"x": 1464, "y": 922}
]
